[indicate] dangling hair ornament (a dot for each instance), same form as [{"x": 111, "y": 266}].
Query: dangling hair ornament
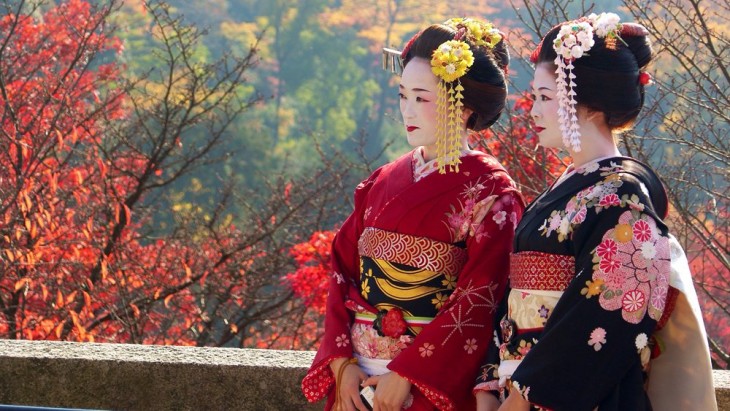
[
  {"x": 449, "y": 62},
  {"x": 574, "y": 40}
]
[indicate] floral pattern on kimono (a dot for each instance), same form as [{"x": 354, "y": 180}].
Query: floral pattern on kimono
[
  {"x": 410, "y": 216},
  {"x": 608, "y": 217}
]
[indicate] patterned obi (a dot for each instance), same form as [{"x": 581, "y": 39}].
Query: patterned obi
[
  {"x": 533, "y": 270},
  {"x": 415, "y": 274},
  {"x": 537, "y": 281}
]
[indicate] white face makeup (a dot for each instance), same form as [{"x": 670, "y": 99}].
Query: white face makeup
[
  {"x": 418, "y": 92},
  {"x": 545, "y": 107}
]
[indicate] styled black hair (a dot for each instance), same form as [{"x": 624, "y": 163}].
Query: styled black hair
[
  {"x": 607, "y": 76},
  {"x": 485, "y": 84}
]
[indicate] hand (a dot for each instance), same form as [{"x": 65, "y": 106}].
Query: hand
[
  {"x": 487, "y": 401},
  {"x": 391, "y": 391},
  {"x": 515, "y": 402},
  {"x": 349, "y": 386}
]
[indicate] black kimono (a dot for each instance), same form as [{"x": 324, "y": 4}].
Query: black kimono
[{"x": 590, "y": 285}]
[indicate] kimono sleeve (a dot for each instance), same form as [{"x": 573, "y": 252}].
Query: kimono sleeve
[
  {"x": 446, "y": 354},
  {"x": 319, "y": 380},
  {"x": 488, "y": 377},
  {"x": 593, "y": 342}
]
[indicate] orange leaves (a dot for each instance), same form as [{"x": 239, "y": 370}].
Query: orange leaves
[
  {"x": 47, "y": 325},
  {"x": 78, "y": 326},
  {"x": 135, "y": 310},
  {"x": 188, "y": 272},
  {"x": 23, "y": 283},
  {"x": 60, "y": 302},
  {"x": 59, "y": 138},
  {"x": 104, "y": 269}
]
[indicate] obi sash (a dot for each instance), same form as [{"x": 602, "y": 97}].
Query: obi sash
[
  {"x": 533, "y": 270},
  {"x": 415, "y": 274}
]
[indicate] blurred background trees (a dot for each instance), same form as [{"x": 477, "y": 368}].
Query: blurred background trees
[{"x": 173, "y": 173}]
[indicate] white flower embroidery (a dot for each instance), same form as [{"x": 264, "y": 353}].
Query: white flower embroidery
[
  {"x": 598, "y": 338},
  {"x": 340, "y": 279},
  {"x": 500, "y": 217},
  {"x": 471, "y": 345},
  {"x": 641, "y": 341},
  {"x": 648, "y": 251},
  {"x": 589, "y": 168},
  {"x": 342, "y": 340},
  {"x": 564, "y": 226}
]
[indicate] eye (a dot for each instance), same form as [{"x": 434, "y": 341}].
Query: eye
[
  {"x": 545, "y": 98},
  {"x": 401, "y": 96},
  {"x": 532, "y": 97},
  {"x": 421, "y": 100}
]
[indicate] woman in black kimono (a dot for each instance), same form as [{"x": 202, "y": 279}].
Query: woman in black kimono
[{"x": 599, "y": 288}]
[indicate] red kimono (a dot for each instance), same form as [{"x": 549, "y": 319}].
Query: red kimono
[{"x": 436, "y": 247}]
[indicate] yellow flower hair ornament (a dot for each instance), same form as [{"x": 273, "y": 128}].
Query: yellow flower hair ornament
[{"x": 449, "y": 62}]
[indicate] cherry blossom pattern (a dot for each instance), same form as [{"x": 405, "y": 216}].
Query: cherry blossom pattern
[
  {"x": 369, "y": 344},
  {"x": 426, "y": 350},
  {"x": 597, "y": 339},
  {"x": 342, "y": 340},
  {"x": 471, "y": 345},
  {"x": 631, "y": 267},
  {"x": 465, "y": 219},
  {"x": 597, "y": 197},
  {"x": 507, "y": 352}
]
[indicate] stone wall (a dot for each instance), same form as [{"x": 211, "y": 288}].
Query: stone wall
[{"x": 137, "y": 377}]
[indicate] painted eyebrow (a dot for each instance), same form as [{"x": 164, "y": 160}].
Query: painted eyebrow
[
  {"x": 415, "y": 89},
  {"x": 544, "y": 88}
]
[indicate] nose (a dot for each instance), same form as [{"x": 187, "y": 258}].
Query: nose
[
  {"x": 407, "y": 109},
  {"x": 535, "y": 111}
]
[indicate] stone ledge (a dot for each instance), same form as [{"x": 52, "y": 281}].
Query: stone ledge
[{"x": 141, "y": 377}]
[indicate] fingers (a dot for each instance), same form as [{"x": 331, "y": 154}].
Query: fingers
[
  {"x": 357, "y": 401},
  {"x": 350, "y": 389},
  {"x": 371, "y": 380},
  {"x": 351, "y": 401}
]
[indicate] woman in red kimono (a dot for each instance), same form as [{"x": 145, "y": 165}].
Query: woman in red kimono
[
  {"x": 600, "y": 290},
  {"x": 421, "y": 264}
]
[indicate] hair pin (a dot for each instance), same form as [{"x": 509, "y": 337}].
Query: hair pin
[{"x": 392, "y": 61}]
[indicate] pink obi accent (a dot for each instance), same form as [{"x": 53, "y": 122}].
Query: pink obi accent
[
  {"x": 419, "y": 252},
  {"x": 533, "y": 270}
]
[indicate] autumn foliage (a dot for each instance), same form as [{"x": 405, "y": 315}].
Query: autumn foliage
[
  {"x": 56, "y": 188},
  {"x": 87, "y": 152},
  {"x": 310, "y": 281}
]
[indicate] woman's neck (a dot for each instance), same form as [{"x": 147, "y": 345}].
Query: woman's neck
[{"x": 595, "y": 143}]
